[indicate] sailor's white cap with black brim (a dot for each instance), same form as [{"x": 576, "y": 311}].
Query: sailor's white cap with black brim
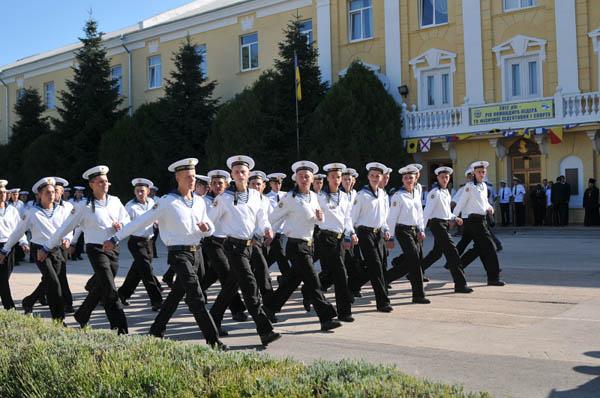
[
  {"x": 183, "y": 164},
  {"x": 142, "y": 182},
  {"x": 238, "y": 160},
  {"x": 479, "y": 164},
  {"x": 257, "y": 174},
  {"x": 305, "y": 165},
  {"x": 376, "y": 166},
  {"x": 443, "y": 169},
  {"x": 320, "y": 177},
  {"x": 95, "y": 172},
  {"x": 468, "y": 171},
  {"x": 202, "y": 179},
  {"x": 79, "y": 188},
  {"x": 350, "y": 171},
  {"x": 334, "y": 167},
  {"x": 276, "y": 177},
  {"x": 61, "y": 181},
  {"x": 410, "y": 169},
  {"x": 42, "y": 183},
  {"x": 3, "y": 184},
  {"x": 417, "y": 165},
  {"x": 219, "y": 174}
]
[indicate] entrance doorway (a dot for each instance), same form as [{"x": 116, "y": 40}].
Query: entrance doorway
[{"x": 526, "y": 165}]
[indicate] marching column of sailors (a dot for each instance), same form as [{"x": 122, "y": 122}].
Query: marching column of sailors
[{"x": 222, "y": 227}]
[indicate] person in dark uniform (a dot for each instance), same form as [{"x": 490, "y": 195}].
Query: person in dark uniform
[
  {"x": 9, "y": 219},
  {"x": 300, "y": 210},
  {"x": 590, "y": 204},
  {"x": 140, "y": 247},
  {"x": 98, "y": 218},
  {"x": 184, "y": 222},
  {"x": 474, "y": 204},
  {"x": 564, "y": 203},
  {"x": 538, "y": 202}
]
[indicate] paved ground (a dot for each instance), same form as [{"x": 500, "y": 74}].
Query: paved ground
[{"x": 539, "y": 336}]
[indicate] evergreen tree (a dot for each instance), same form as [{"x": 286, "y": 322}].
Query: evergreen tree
[
  {"x": 90, "y": 105},
  {"x": 188, "y": 106},
  {"x": 357, "y": 122}
]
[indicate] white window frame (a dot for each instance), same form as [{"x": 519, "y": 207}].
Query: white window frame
[
  {"x": 119, "y": 78},
  {"x": 523, "y": 61},
  {"x": 249, "y": 47},
  {"x": 519, "y": 7},
  {"x": 202, "y": 50},
  {"x": 50, "y": 96},
  {"x": 308, "y": 33},
  {"x": 154, "y": 70},
  {"x": 423, "y": 94},
  {"x": 434, "y": 23},
  {"x": 360, "y": 11}
]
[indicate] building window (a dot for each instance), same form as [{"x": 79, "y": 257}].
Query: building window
[
  {"x": 434, "y": 12},
  {"x": 437, "y": 88},
  {"x": 249, "y": 51},
  {"x": 49, "y": 97},
  {"x": 361, "y": 20},
  {"x": 307, "y": 30},
  {"x": 201, "y": 50},
  {"x": 524, "y": 78},
  {"x": 116, "y": 75},
  {"x": 20, "y": 93},
  {"x": 510, "y": 5},
  {"x": 154, "y": 72}
]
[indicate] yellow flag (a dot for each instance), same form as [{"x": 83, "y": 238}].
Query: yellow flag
[
  {"x": 412, "y": 145},
  {"x": 298, "y": 83}
]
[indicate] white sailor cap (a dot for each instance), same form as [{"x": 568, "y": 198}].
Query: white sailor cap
[
  {"x": 320, "y": 177},
  {"x": 468, "y": 171},
  {"x": 3, "y": 184},
  {"x": 515, "y": 178},
  {"x": 240, "y": 160},
  {"x": 219, "y": 174},
  {"x": 95, "y": 172},
  {"x": 388, "y": 171},
  {"x": 24, "y": 193},
  {"x": 417, "y": 165},
  {"x": 67, "y": 189},
  {"x": 183, "y": 164},
  {"x": 502, "y": 181},
  {"x": 202, "y": 179},
  {"x": 79, "y": 188},
  {"x": 305, "y": 165},
  {"x": 257, "y": 174},
  {"x": 410, "y": 169},
  {"x": 14, "y": 190},
  {"x": 61, "y": 181},
  {"x": 478, "y": 164},
  {"x": 294, "y": 177},
  {"x": 350, "y": 171},
  {"x": 382, "y": 168},
  {"x": 44, "y": 182},
  {"x": 276, "y": 177},
  {"x": 334, "y": 167},
  {"x": 144, "y": 182},
  {"x": 154, "y": 188},
  {"x": 443, "y": 169}
]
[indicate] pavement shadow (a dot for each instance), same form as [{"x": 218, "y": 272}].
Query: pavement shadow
[{"x": 590, "y": 389}]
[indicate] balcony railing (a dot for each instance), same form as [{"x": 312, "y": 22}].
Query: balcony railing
[{"x": 561, "y": 109}]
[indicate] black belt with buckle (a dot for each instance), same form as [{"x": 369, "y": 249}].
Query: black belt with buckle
[
  {"x": 309, "y": 242},
  {"x": 244, "y": 242},
  {"x": 369, "y": 229},
  {"x": 183, "y": 248},
  {"x": 336, "y": 235},
  {"x": 404, "y": 227}
]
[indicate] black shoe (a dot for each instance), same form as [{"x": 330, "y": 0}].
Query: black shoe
[
  {"x": 425, "y": 279},
  {"x": 121, "y": 331},
  {"x": 82, "y": 324},
  {"x": 156, "y": 307},
  {"x": 124, "y": 301},
  {"x": 239, "y": 316},
  {"x": 223, "y": 332},
  {"x": 385, "y": 308},
  {"x": 270, "y": 337},
  {"x": 420, "y": 300},
  {"x": 496, "y": 283},
  {"x": 158, "y": 335},
  {"x": 69, "y": 309},
  {"x": 219, "y": 346},
  {"x": 346, "y": 318},
  {"x": 330, "y": 324},
  {"x": 27, "y": 309},
  {"x": 306, "y": 305},
  {"x": 463, "y": 289},
  {"x": 271, "y": 315}
]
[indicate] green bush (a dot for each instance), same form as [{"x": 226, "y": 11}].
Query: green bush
[{"x": 41, "y": 359}]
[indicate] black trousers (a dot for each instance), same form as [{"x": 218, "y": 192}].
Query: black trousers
[
  {"x": 300, "y": 253},
  {"x": 505, "y": 213},
  {"x": 372, "y": 249},
  {"x": 141, "y": 270},
  {"x": 189, "y": 268},
  {"x": 410, "y": 262},
  {"x": 6, "y": 269},
  {"x": 154, "y": 238},
  {"x": 105, "y": 266},
  {"x": 476, "y": 228},
  {"x": 519, "y": 214},
  {"x": 443, "y": 244},
  {"x": 261, "y": 272},
  {"x": 332, "y": 259},
  {"x": 238, "y": 254},
  {"x": 539, "y": 214},
  {"x": 51, "y": 269},
  {"x": 277, "y": 254},
  {"x": 79, "y": 245},
  {"x": 217, "y": 268},
  {"x": 40, "y": 291},
  {"x": 354, "y": 267},
  {"x": 563, "y": 213}
]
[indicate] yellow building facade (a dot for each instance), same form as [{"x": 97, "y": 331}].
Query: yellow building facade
[{"x": 498, "y": 80}]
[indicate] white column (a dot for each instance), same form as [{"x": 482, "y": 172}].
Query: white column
[
  {"x": 393, "y": 66},
  {"x": 566, "y": 46},
  {"x": 473, "y": 51},
  {"x": 324, "y": 39}
]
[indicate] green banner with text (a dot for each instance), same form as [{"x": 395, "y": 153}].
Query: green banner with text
[{"x": 514, "y": 112}]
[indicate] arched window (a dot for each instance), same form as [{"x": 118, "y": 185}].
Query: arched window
[{"x": 572, "y": 168}]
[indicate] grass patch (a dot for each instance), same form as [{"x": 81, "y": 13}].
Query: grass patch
[{"x": 41, "y": 359}]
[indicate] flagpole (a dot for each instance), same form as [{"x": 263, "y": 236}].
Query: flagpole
[{"x": 296, "y": 98}]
